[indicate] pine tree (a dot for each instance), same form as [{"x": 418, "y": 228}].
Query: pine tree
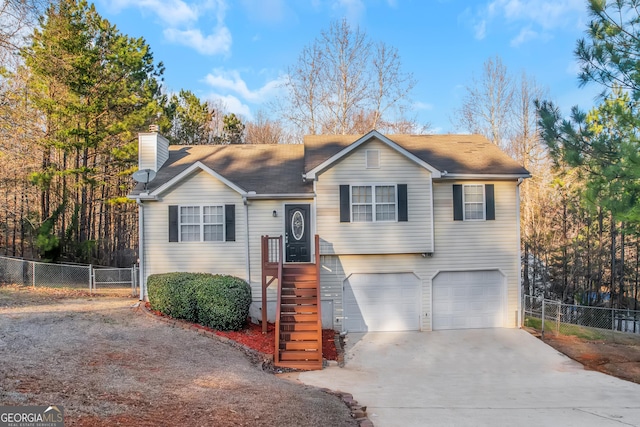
[{"x": 95, "y": 87}]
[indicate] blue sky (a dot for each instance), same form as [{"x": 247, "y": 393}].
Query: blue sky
[{"x": 239, "y": 50}]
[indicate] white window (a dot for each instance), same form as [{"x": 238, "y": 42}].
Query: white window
[
  {"x": 473, "y": 201},
  {"x": 201, "y": 223},
  {"x": 373, "y": 203}
]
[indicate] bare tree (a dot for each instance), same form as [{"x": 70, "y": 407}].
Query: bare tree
[
  {"x": 344, "y": 77},
  {"x": 392, "y": 85},
  {"x": 401, "y": 123},
  {"x": 488, "y": 103},
  {"x": 17, "y": 20},
  {"x": 264, "y": 131},
  {"x": 304, "y": 92},
  {"x": 344, "y": 83},
  {"x": 525, "y": 144},
  {"x": 20, "y": 125}
]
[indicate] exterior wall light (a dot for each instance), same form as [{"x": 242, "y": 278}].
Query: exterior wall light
[{"x": 275, "y": 213}]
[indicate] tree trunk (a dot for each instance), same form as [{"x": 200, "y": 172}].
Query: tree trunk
[{"x": 612, "y": 281}]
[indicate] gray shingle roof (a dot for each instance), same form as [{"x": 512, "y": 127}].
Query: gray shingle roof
[
  {"x": 263, "y": 168},
  {"x": 278, "y": 169},
  {"x": 457, "y": 154}
]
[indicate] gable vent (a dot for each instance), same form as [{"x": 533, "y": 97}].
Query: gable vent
[{"x": 372, "y": 159}]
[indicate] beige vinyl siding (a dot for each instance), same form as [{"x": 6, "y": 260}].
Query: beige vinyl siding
[
  {"x": 335, "y": 269},
  {"x": 413, "y": 236},
  {"x": 479, "y": 245},
  {"x": 263, "y": 223},
  {"x": 162, "y": 154},
  {"x": 153, "y": 151},
  {"x": 163, "y": 256},
  {"x": 459, "y": 246}
]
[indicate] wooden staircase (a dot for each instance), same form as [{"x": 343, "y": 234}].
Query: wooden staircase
[{"x": 298, "y": 323}]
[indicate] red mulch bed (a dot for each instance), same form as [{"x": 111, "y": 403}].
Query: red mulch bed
[{"x": 252, "y": 337}]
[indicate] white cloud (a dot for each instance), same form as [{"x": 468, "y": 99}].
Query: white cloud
[
  {"x": 231, "y": 81},
  {"x": 526, "y": 34},
  {"x": 181, "y": 21},
  {"x": 233, "y": 105},
  {"x": 353, "y": 9},
  {"x": 480, "y": 29},
  {"x": 216, "y": 43},
  {"x": 532, "y": 19},
  {"x": 545, "y": 13},
  {"x": 171, "y": 12}
]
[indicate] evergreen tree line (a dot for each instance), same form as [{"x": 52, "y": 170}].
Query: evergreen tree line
[
  {"x": 75, "y": 93},
  {"x": 72, "y": 100}
]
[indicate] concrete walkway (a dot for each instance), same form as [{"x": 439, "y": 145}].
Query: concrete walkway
[{"x": 475, "y": 377}]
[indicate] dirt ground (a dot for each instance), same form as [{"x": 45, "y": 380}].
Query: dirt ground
[
  {"x": 109, "y": 364},
  {"x": 619, "y": 358}
]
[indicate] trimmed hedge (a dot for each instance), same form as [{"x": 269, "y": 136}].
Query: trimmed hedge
[
  {"x": 223, "y": 303},
  {"x": 218, "y": 301}
]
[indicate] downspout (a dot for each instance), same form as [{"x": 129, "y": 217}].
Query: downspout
[
  {"x": 432, "y": 213},
  {"x": 519, "y": 313},
  {"x": 245, "y": 202},
  {"x": 141, "y": 261}
]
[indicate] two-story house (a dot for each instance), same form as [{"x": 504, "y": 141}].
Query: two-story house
[{"x": 397, "y": 232}]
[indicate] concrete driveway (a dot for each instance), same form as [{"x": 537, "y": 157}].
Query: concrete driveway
[{"x": 475, "y": 377}]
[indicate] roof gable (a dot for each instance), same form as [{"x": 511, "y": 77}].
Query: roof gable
[
  {"x": 266, "y": 169},
  {"x": 452, "y": 156},
  {"x": 342, "y": 151},
  {"x": 197, "y": 166}
]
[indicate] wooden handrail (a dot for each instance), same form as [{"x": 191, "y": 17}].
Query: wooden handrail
[
  {"x": 276, "y": 353},
  {"x": 318, "y": 292},
  {"x": 271, "y": 267}
]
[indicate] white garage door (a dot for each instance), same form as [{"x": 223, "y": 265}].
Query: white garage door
[
  {"x": 382, "y": 302},
  {"x": 468, "y": 299}
]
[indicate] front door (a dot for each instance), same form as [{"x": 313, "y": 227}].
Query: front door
[{"x": 296, "y": 236}]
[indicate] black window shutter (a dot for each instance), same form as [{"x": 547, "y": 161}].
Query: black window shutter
[
  {"x": 490, "y": 200},
  {"x": 345, "y": 204},
  {"x": 230, "y": 222},
  {"x": 457, "y": 203},
  {"x": 403, "y": 213},
  {"x": 173, "y": 223}
]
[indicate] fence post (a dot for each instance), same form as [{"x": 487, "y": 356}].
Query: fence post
[
  {"x": 542, "y": 327},
  {"x": 559, "y": 307},
  {"x": 91, "y": 279},
  {"x": 33, "y": 274},
  {"x": 134, "y": 284}
]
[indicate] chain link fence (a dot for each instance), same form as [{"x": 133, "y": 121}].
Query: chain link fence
[
  {"x": 115, "y": 278},
  {"x": 40, "y": 274},
  {"x": 580, "y": 320}
]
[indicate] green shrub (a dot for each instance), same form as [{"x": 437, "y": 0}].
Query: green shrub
[
  {"x": 223, "y": 302},
  {"x": 218, "y": 301},
  {"x": 159, "y": 292},
  {"x": 172, "y": 294}
]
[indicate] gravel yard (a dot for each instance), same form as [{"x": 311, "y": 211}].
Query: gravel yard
[{"x": 109, "y": 364}]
